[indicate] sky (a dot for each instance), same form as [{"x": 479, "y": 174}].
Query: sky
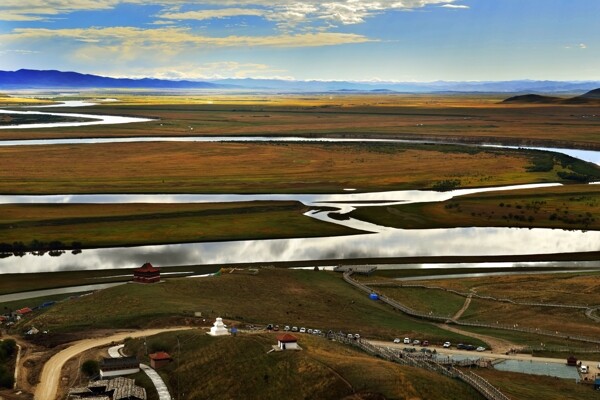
[{"x": 354, "y": 40}]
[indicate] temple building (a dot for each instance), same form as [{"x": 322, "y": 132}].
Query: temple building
[{"x": 146, "y": 274}]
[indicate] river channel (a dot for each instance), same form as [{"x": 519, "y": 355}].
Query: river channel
[{"x": 377, "y": 242}]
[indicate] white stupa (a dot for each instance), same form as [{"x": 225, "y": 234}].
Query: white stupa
[{"x": 219, "y": 328}]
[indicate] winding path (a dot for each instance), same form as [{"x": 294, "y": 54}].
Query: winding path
[{"x": 48, "y": 386}]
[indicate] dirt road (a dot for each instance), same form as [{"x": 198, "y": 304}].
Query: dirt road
[{"x": 48, "y": 386}]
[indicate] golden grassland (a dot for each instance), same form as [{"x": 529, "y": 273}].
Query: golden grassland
[
  {"x": 256, "y": 167},
  {"x": 574, "y": 206},
  {"x": 454, "y": 117},
  {"x": 322, "y": 369},
  {"x": 106, "y": 225}
]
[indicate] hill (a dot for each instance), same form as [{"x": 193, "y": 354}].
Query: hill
[
  {"x": 210, "y": 368},
  {"x": 533, "y": 98},
  {"x": 27, "y": 79},
  {"x": 591, "y": 97},
  {"x": 311, "y": 299}
]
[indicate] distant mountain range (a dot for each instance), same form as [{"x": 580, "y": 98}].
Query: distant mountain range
[
  {"x": 35, "y": 79},
  {"x": 591, "y": 97}
]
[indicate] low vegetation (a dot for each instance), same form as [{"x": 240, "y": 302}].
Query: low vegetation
[
  {"x": 565, "y": 207},
  {"x": 53, "y": 228},
  {"x": 322, "y": 369},
  {"x": 175, "y": 167},
  {"x": 286, "y": 297},
  {"x": 8, "y": 353}
]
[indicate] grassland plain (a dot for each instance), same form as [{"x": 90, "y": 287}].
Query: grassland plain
[
  {"x": 467, "y": 118},
  {"x": 303, "y": 298},
  {"x": 176, "y": 167},
  {"x": 106, "y": 225},
  {"x": 323, "y": 369},
  {"x": 568, "y": 288},
  {"x": 574, "y": 206}
]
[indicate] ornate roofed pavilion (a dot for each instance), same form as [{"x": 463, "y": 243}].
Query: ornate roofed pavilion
[{"x": 146, "y": 274}]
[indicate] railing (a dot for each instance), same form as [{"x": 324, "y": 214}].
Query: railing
[{"x": 486, "y": 389}]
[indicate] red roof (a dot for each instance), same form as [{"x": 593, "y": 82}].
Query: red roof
[
  {"x": 147, "y": 268},
  {"x": 161, "y": 355},
  {"x": 25, "y": 310},
  {"x": 287, "y": 338}
]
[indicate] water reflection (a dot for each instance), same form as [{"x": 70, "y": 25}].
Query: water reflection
[{"x": 393, "y": 243}]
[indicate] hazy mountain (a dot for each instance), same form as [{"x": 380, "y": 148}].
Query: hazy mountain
[
  {"x": 591, "y": 97},
  {"x": 34, "y": 79}
]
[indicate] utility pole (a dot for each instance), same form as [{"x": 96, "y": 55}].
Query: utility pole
[{"x": 178, "y": 361}]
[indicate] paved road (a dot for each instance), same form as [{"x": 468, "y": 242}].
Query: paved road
[{"x": 51, "y": 373}]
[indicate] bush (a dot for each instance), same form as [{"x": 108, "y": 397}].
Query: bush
[{"x": 90, "y": 368}]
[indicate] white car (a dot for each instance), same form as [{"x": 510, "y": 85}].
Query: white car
[
  {"x": 406, "y": 340},
  {"x": 447, "y": 345},
  {"x": 416, "y": 342},
  {"x": 356, "y": 336},
  {"x": 302, "y": 330},
  {"x": 397, "y": 340},
  {"x": 480, "y": 348}
]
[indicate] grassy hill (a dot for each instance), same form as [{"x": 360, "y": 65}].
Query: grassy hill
[
  {"x": 210, "y": 368},
  {"x": 319, "y": 300}
]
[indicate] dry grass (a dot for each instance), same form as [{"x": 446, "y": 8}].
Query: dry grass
[{"x": 253, "y": 167}]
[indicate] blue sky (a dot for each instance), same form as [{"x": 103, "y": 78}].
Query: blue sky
[{"x": 389, "y": 40}]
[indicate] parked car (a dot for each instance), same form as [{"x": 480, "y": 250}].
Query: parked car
[
  {"x": 356, "y": 336},
  {"x": 584, "y": 369},
  {"x": 303, "y": 330},
  {"x": 416, "y": 342},
  {"x": 294, "y": 329},
  {"x": 461, "y": 346},
  {"x": 425, "y": 343},
  {"x": 309, "y": 330},
  {"x": 406, "y": 340},
  {"x": 470, "y": 347},
  {"x": 270, "y": 327},
  {"x": 350, "y": 336},
  {"x": 286, "y": 328},
  {"x": 397, "y": 340},
  {"x": 276, "y": 328},
  {"x": 447, "y": 345},
  {"x": 480, "y": 348}
]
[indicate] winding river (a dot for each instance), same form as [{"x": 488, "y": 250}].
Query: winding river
[{"x": 378, "y": 242}]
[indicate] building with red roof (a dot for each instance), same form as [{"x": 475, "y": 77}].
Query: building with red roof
[
  {"x": 146, "y": 274},
  {"x": 287, "y": 342},
  {"x": 24, "y": 311},
  {"x": 159, "y": 359}
]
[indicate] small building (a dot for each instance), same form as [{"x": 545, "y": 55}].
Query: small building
[
  {"x": 146, "y": 274},
  {"x": 287, "y": 342},
  {"x": 119, "y": 366},
  {"x": 110, "y": 389},
  {"x": 159, "y": 359},
  {"x": 572, "y": 361}
]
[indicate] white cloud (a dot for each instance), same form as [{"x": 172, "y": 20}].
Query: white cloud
[
  {"x": 213, "y": 70},
  {"x": 582, "y": 46},
  {"x": 456, "y": 6},
  {"x": 210, "y": 14}
]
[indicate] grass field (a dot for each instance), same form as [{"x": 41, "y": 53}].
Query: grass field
[
  {"x": 260, "y": 167},
  {"x": 286, "y": 297},
  {"x": 106, "y": 225},
  {"x": 534, "y": 387},
  {"x": 566, "y": 207},
  {"x": 437, "y": 302},
  {"x": 323, "y": 369},
  {"x": 457, "y": 117}
]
